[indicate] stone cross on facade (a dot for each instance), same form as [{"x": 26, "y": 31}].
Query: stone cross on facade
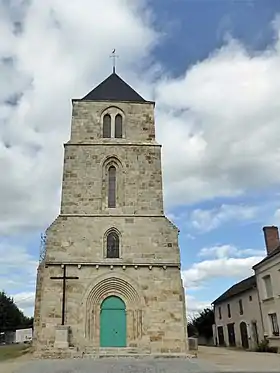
[{"x": 64, "y": 278}]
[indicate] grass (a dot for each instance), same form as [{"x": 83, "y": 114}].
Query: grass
[{"x": 13, "y": 351}]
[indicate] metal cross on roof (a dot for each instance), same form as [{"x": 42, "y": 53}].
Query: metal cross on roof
[{"x": 114, "y": 56}]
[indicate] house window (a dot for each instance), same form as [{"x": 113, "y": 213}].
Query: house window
[
  {"x": 228, "y": 310},
  {"x": 268, "y": 286},
  {"x": 107, "y": 126},
  {"x": 112, "y": 187},
  {"x": 113, "y": 244},
  {"x": 274, "y": 324},
  {"x": 220, "y": 313},
  {"x": 118, "y": 126},
  {"x": 255, "y": 332},
  {"x": 240, "y": 306},
  {"x": 250, "y": 298}
]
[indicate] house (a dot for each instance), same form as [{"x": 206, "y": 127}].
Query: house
[
  {"x": 237, "y": 316},
  {"x": 267, "y": 273},
  {"x": 249, "y": 311}
]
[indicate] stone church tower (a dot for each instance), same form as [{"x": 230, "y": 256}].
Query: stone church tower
[{"x": 122, "y": 291}]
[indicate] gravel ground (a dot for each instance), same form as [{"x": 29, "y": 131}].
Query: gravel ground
[
  {"x": 210, "y": 359},
  {"x": 233, "y": 360},
  {"x": 115, "y": 366}
]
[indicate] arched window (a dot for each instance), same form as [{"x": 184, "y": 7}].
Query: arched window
[
  {"x": 107, "y": 126},
  {"x": 118, "y": 126},
  {"x": 112, "y": 187},
  {"x": 113, "y": 245}
]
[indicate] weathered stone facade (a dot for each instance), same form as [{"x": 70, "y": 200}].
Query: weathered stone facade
[{"x": 146, "y": 276}]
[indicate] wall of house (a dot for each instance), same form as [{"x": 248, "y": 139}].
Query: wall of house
[
  {"x": 251, "y": 313},
  {"x": 272, "y": 304}
]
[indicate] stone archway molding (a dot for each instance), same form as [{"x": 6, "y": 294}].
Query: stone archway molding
[
  {"x": 119, "y": 285},
  {"x": 112, "y": 281}
]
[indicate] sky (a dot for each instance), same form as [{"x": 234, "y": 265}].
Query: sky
[{"x": 213, "y": 68}]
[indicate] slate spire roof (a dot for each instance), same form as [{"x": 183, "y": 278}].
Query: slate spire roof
[{"x": 113, "y": 89}]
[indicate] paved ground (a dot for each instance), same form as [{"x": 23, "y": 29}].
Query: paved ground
[
  {"x": 228, "y": 360},
  {"x": 109, "y": 366},
  {"x": 210, "y": 359}
]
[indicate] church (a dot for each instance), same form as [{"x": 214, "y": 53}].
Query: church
[{"x": 109, "y": 281}]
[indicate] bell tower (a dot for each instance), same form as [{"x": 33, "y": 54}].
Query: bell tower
[{"x": 122, "y": 287}]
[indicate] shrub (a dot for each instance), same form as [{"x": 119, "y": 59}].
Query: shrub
[{"x": 263, "y": 346}]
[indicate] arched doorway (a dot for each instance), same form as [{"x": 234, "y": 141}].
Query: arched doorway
[
  {"x": 244, "y": 335},
  {"x": 113, "y": 323}
]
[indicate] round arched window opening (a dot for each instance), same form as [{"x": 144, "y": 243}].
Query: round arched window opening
[
  {"x": 118, "y": 126},
  {"x": 107, "y": 126}
]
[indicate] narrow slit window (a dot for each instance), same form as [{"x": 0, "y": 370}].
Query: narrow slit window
[
  {"x": 118, "y": 126},
  {"x": 112, "y": 187},
  {"x": 228, "y": 310},
  {"x": 113, "y": 244},
  {"x": 240, "y": 307},
  {"x": 107, "y": 126}
]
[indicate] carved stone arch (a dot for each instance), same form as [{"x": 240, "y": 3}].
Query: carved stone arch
[
  {"x": 113, "y": 284},
  {"x": 112, "y": 160},
  {"x": 105, "y": 237},
  {"x": 120, "y": 275},
  {"x": 107, "y": 163},
  {"x": 113, "y": 111}
]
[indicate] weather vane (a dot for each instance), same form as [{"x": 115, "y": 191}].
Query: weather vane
[{"x": 114, "y": 57}]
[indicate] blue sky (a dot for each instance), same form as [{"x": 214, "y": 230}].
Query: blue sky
[{"x": 213, "y": 67}]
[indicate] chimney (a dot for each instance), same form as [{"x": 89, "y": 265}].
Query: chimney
[{"x": 271, "y": 237}]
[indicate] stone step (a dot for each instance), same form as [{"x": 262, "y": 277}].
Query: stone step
[{"x": 115, "y": 351}]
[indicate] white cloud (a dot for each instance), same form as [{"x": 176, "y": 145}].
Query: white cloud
[
  {"x": 25, "y": 302},
  {"x": 17, "y": 268},
  {"x": 218, "y": 122},
  {"x": 203, "y": 271},
  {"x": 194, "y": 306},
  {"x": 276, "y": 218},
  {"x": 220, "y": 125},
  {"x": 61, "y": 53},
  {"x": 223, "y": 261},
  {"x": 227, "y": 251},
  {"x": 206, "y": 220}
]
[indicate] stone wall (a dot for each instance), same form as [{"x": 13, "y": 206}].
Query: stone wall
[
  {"x": 146, "y": 276},
  {"x": 139, "y": 179},
  {"x": 154, "y": 305},
  {"x": 143, "y": 239},
  {"x": 87, "y": 121}
]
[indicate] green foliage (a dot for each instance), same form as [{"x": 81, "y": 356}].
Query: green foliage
[
  {"x": 10, "y": 316},
  {"x": 202, "y": 324},
  {"x": 263, "y": 346},
  {"x": 192, "y": 332}
]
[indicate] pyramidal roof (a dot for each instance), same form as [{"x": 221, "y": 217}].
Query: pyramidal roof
[{"x": 113, "y": 89}]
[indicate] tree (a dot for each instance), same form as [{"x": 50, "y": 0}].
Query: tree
[
  {"x": 202, "y": 324},
  {"x": 10, "y": 315},
  {"x": 192, "y": 332}
]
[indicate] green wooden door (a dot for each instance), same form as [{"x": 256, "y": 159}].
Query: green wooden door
[{"x": 112, "y": 323}]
